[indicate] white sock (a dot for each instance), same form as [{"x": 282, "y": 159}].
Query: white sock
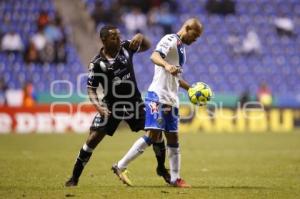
[
  {"x": 137, "y": 149},
  {"x": 174, "y": 159}
]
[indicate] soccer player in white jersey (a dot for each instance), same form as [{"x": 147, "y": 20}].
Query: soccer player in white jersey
[{"x": 162, "y": 101}]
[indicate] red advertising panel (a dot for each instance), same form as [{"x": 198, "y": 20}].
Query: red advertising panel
[{"x": 54, "y": 118}]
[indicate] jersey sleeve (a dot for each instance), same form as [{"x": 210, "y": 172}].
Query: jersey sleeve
[
  {"x": 126, "y": 44},
  {"x": 94, "y": 77},
  {"x": 165, "y": 45}
]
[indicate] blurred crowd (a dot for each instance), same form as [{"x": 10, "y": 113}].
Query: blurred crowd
[
  {"x": 263, "y": 96},
  {"x": 25, "y": 97},
  {"x": 140, "y": 16},
  {"x": 46, "y": 45},
  {"x": 137, "y": 16},
  {"x": 249, "y": 44}
]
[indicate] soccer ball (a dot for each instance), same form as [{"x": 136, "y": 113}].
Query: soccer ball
[{"x": 200, "y": 93}]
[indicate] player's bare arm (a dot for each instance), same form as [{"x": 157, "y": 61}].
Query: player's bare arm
[
  {"x": 92, "y": 92},
  {"x": 158, "y": 60},
  {"x": 139, "y": 42},
  {"x": 184, "y": 84}
]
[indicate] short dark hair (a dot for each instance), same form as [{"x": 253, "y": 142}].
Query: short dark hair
[{"x": 104, "y": 32}]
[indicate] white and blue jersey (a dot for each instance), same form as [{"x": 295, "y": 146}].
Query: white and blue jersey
[
  {"x": 162, "y": 98},
  {"x": 164, "y": 84}
]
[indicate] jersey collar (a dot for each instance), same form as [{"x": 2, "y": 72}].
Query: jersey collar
[
  {"x": 101, "y": 53},
  {"x": 179, "y": 39}
]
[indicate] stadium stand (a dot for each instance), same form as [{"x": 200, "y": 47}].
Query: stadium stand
[
  {"x": 21, "y": 16},
  {"x": 211, "y": 60}
]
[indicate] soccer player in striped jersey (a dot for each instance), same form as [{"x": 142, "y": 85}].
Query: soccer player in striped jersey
[{"x": 112, "y": 68}]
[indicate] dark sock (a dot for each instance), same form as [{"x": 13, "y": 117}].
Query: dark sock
[
  {"x": 81, "y": 161},
  {"x": 160, "y": 153}
]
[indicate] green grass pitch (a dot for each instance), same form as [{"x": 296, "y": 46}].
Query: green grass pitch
[{"x": 223, "y": 166}]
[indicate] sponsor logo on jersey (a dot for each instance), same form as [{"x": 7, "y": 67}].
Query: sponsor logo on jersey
[
  {"x": 119, "y": 71},
  {"x": 122, "y": 59},
  {"x": 118, "y": 80}
]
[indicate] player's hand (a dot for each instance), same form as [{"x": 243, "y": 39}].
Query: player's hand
[
  {"x": 136, "y": 41},
  {"x": 174, "y": 70},
  {"x": 104, "y": 111}
]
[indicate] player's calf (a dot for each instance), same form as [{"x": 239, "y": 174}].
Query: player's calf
[
  {"x": 160, "y": 154},
  {"x": 82, "y": 159}
]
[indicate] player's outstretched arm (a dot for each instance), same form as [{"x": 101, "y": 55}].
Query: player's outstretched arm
[
  {"x": 139, "y": 42},
  {"x": 92, "y": 92},
  {"x": 157, "y": 59},
  {"x": 183, "y": 84}
]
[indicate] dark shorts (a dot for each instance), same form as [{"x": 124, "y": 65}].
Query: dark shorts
[{"x": 133, "y": 113}]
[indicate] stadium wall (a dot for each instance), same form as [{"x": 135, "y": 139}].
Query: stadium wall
[
  {"x": 226, "y": 99},
  {"x": 66, "y": 118}
]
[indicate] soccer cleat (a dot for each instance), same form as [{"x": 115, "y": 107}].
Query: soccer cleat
[
  {"x": 122, "y": 174},
  {"x": 180, "y": 183},
  {"x": 71, "y": 182},
  {"x": 163, "y": 172}
]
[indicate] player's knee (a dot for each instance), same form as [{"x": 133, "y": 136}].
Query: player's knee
[
  {"x": 173, "y": 145},
  {"x": 172, "y": 138},
  {"x": 155, "y": 136},
  {"x": 173, "y": 142},
  {"x": 94, "y": 138}
]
